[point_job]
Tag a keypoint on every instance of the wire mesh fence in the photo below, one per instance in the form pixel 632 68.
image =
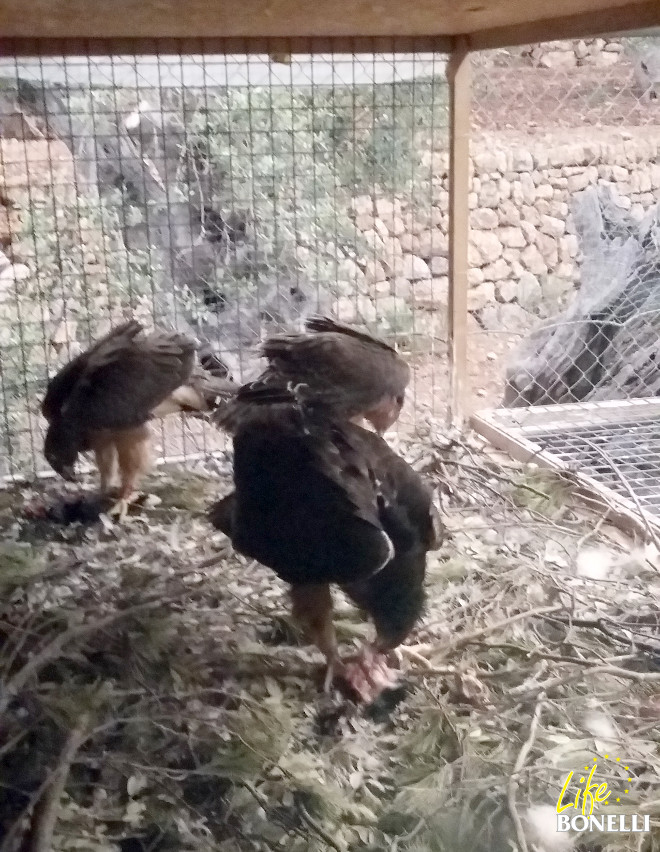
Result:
pixel 232 195
pixel 564 265
pixel 228 196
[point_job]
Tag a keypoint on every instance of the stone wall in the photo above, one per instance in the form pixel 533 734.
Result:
pixel 523 249
pixel 597 52
pixel 524 256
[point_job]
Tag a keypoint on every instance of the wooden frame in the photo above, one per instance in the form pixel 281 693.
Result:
pixel 459 77
pixel 605 21
pixel 487 23
pixel 249 46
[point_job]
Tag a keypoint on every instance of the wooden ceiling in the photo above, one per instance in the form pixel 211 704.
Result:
pixel 485 22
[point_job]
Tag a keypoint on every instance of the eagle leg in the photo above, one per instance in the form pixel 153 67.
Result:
pixel 105 454
pixel 133 458
pixel 312 609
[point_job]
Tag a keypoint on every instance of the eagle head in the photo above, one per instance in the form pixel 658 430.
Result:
pixel 61 451
pixel 386 413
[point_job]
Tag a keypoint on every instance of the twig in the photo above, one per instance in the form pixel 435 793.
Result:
pixel 410 652
pixel 468 638
pixel 406 838
pixel 213 560
pixel 597 624
pixel 512 785
pixel 305 815
pixel 650 806
pixel 55 647
pixel 488 473
pixel 318 829
pixel 617 671
pixel 44 816
pixel 579 544
pixel 264 803
pixel 622 479
pixel 10 837
pixel 562 680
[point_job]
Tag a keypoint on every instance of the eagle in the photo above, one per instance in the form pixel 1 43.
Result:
pixel 103 399
pixel 323 501
pixel 339 369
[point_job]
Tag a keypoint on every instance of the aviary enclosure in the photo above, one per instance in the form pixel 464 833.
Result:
pixel 494 213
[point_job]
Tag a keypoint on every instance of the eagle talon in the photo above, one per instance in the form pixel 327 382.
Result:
pixel 120 508
pixel 369 675
pixel 329 678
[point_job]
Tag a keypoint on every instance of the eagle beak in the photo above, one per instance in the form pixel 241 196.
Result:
pixel 68 473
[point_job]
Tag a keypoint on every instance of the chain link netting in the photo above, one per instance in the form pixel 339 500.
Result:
pixel 564 246
pixel 231 196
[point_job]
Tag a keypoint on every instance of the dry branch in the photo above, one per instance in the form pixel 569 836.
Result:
pixel 44 816
pixel 57 645
pixel 476 635
pixel 178 686
pixel 512 785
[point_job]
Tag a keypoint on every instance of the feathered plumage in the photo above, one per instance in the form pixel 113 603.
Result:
pixel 322 501
pixel 103 399
pixel 334 368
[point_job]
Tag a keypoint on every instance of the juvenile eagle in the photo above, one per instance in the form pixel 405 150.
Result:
pixel 322 501
pixel 103 399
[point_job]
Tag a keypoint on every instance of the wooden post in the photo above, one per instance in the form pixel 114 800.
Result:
pixel 459 77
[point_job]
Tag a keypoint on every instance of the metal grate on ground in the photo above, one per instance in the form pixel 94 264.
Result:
pixel 611 449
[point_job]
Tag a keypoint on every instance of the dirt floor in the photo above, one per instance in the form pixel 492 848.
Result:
pixel 157 677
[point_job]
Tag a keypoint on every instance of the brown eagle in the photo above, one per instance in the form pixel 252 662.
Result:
pixel 320 501
pixel 103 399
pixel 346 372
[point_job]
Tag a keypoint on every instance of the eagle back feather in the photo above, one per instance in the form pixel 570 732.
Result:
pixel 119 380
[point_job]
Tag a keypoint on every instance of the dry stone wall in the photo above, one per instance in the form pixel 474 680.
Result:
pixel 523 249
pixel 524 255
pixel 597 52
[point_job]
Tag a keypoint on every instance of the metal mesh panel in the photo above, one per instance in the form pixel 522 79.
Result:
pixel 614 447
pixel 631 448
pixel 564 257
pixel 228 196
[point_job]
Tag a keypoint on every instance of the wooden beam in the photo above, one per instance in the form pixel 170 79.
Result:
pixel 619 19
pixel 298 18
pixel 220 19
pixel 459 77
pixel 35 47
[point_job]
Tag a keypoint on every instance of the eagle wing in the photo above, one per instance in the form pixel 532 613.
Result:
pixel 406 508
pixel 326 324
pixel 65 381
pixel 347 370
pixel 306 500
pixel 394 597
pixel 125 376
pixel 333 448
